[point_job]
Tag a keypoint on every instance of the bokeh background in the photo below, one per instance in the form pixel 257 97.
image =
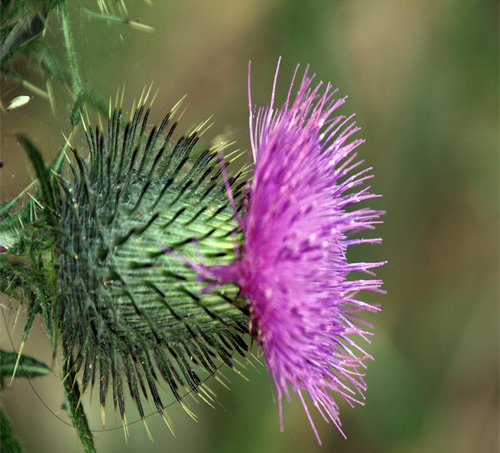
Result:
pixel 422 78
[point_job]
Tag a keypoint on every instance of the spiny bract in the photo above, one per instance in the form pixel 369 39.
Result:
pixel 89 254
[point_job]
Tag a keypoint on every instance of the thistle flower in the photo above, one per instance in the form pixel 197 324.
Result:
pixel 292 266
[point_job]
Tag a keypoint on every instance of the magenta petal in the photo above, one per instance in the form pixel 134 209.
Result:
pixel 292 266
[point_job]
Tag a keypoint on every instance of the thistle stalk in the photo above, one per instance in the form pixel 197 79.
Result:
pixel 68 40
pixel 74 408
pixel 77 85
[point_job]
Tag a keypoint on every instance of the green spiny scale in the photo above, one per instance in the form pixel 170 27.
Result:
pixel 128 307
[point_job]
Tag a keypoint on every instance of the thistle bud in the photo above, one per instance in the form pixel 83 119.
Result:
pixel 89 251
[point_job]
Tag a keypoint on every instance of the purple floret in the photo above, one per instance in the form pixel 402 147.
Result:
pixel 292 267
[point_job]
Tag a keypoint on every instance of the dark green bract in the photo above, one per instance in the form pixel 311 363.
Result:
pixel 105 257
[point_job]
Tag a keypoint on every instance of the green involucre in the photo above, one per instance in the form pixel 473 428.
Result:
pixel 104 256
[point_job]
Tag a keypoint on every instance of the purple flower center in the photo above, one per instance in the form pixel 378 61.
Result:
pixel 292 267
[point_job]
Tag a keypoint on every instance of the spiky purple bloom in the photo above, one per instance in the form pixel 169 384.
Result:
pixel 292 266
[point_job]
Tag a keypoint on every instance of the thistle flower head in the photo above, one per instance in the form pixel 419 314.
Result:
pixel 292 265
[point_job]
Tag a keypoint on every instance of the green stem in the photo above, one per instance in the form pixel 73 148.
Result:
pixel 70 48
pixel 75 409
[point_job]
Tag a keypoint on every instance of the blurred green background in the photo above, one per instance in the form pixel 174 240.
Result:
pixel 422 78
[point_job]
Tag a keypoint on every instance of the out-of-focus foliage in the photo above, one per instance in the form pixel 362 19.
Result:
pixel 23 36
pixel 11 365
